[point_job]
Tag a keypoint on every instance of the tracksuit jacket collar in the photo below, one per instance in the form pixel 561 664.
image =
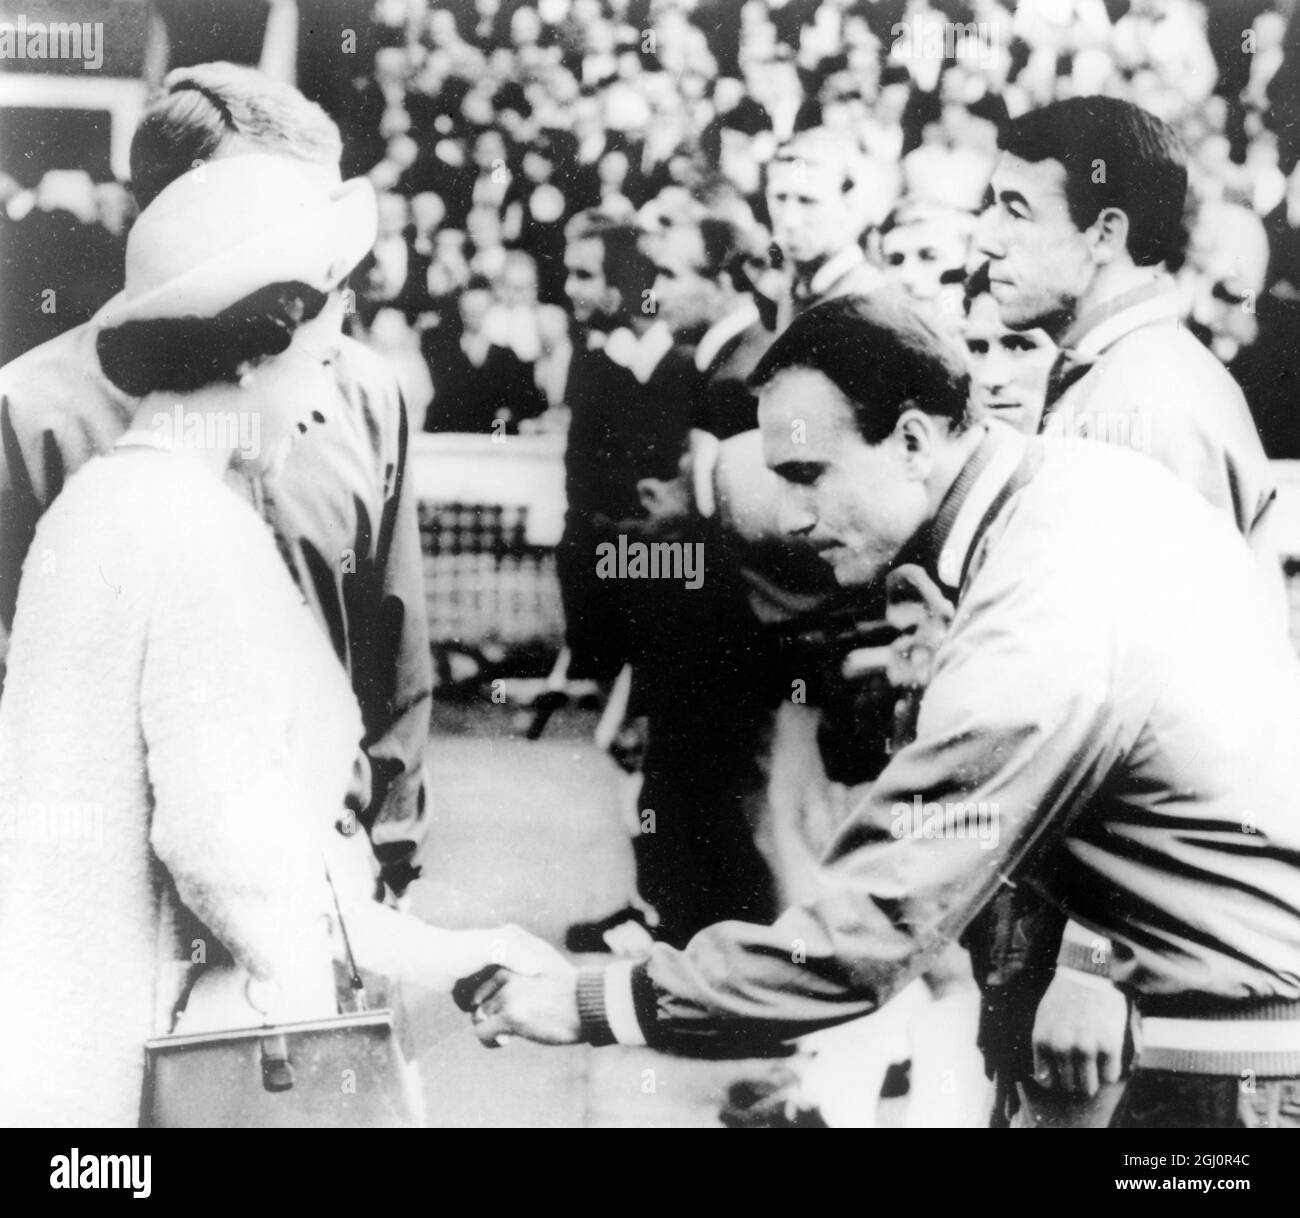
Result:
pixel 1099 328
pixel 1003 462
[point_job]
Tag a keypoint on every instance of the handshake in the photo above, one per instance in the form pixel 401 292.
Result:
pixel 526 989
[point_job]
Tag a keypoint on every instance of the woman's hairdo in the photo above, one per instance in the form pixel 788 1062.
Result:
pixel 181 354
pixel 209 104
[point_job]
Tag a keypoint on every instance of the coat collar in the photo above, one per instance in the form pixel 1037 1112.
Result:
pixel 1002 463
pixel 1110 321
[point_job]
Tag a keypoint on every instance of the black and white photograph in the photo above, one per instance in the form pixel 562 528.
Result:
pixel 650 564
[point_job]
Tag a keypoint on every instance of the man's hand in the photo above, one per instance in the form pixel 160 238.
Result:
pixel 1079 1033
pixel 544 1008
pixel 515 949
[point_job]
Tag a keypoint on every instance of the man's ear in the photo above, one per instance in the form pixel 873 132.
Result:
pixel 1109 235
pixel 917 432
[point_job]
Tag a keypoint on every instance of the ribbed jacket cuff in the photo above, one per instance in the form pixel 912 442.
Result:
pixel 1260 1040
pixel 1085 952
pixel 592 1011
pixel 609 1006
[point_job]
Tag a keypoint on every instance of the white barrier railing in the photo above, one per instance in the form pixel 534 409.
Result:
pixel 513 471
pixel 528 471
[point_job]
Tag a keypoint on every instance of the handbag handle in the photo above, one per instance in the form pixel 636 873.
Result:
pixel 354 974
pixel 277 1068
pixel 355 982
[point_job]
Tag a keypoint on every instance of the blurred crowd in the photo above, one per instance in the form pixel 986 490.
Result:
pixel 490 129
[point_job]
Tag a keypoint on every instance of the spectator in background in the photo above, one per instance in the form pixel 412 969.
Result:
pixel 1008 368
pixel 1251 328
pixel 391 336
pixel 817 221
pixel 1223 278
pixel 428 212
pixel 449 270
pixel 480 385
pixel 729 350
pixel 700 675
pixel 62 258
pixel 486 237
pixel 393 274
pixel 608 279
pixel 923 251
pixel 536 333
pixel 538 210
pixel 738 141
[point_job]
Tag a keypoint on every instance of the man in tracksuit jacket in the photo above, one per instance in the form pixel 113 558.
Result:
pixel 1084 226
pixel 1110 722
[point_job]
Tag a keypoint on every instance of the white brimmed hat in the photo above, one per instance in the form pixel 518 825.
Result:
pixel 234 225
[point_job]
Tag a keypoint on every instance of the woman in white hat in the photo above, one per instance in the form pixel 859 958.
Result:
pixel 176 734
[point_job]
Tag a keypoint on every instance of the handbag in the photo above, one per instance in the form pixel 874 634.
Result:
pixel 345 1071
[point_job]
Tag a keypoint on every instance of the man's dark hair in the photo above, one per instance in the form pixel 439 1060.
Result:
pixel 881 354
pixel 1115 154
pixel 726 246
pixel 181 354
pixel 625 265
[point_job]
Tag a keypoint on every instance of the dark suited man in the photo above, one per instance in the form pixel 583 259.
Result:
pixel 631 391
pixel 702 670
pixel 630 394
pixel 1145 789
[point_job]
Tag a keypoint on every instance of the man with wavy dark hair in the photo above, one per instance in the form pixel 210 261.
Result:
pixel 343 506
pixel 1086 221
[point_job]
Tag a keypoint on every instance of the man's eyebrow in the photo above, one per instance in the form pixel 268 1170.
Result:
pixel 798 471
pixel 1013 196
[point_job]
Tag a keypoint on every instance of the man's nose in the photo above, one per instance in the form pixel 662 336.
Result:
pixel 987 239
pixel 795 516
pixel 914 277
pixel 995 372
pixel 783 215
